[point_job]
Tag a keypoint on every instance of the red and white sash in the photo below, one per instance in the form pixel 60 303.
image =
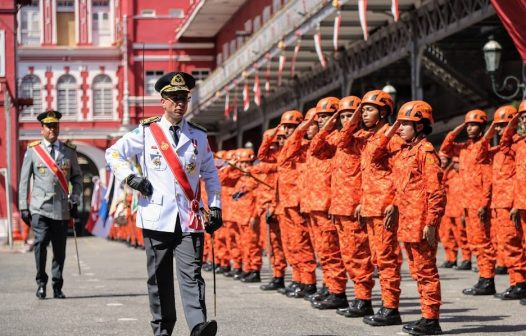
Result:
pixel 196 221
pixel 53 167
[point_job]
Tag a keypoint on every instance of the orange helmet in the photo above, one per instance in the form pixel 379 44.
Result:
pixel 221 154
pixel 504 114
pixel 379 98
pixel 327 105
pixel 268 133
pixel 245 155
pixel 476 116
pixel 415 110
pixel 291 117
pixel 230 155
pixel 522 107
pixel 349 103
pixel 310 113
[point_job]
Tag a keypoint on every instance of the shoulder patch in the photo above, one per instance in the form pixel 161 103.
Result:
pixel 33 144
pixel 148 121
pixel 428 147
pixel 199 127
pixel 70 144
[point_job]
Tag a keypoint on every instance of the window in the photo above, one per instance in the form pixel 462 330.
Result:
pixel 65 5
pixel 2 53
pixel 102 97
pixel 151 77
pixel 30 88
pixel 219 59
pixel 266 14
pixel 257 23
pixel 148 12
pixel 232 47
pixel 30 24
pixel 176 13
pixel 200 74
pixel 225 50
pixel 276 5
pixel 101 23
pixel 248 26
pixel 67 96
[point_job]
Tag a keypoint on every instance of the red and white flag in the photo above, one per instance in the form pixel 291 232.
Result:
pixel 267 75
pixel 227 105
pixel 234 103
pixel 394 10
pixel 246 97
pixel 317 45
pixel 282 59
pixel 257 89
pixel 336 33
pixel 294 56
pixel 362 13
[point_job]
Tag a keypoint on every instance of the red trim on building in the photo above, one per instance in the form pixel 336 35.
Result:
pixel 49 87
pixel 84 98
pixel 48 22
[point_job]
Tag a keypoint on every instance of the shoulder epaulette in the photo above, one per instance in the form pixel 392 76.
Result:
pixel 199 127
pixel 70 144
pixel 148 121
pixel 33 144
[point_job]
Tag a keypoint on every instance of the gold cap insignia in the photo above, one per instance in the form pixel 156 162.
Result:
pixel 177 80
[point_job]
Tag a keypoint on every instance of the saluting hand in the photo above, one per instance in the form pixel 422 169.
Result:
pixel 392 130
pixel 329 125
pixel 459 128
pixel 140 184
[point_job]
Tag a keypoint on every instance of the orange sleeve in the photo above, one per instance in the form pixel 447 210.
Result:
pixel 264 152
pixel 380 150
pixel 321 147
pixel 292 146
pixel 486 184
pixel 435 192
pixel 449 147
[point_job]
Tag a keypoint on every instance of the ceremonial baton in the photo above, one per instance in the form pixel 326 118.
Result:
pixel 214 272
pixel 76 245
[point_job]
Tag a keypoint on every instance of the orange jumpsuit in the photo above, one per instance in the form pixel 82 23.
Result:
pixel 447 227
pixel 318 197
pixel 420 198
pixel 475 172
pixel 295 231
pixel 377 194
pixel 228 177
pixel 519 194
pixel 345 196
pixel 509 238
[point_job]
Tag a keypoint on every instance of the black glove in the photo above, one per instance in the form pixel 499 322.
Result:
pixel 236 196
pixel 215 220
pixel 74 211
pixel 26 216
pixel 140 184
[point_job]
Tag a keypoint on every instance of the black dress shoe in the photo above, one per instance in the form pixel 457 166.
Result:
pixel 343 311
pixel 274 284
pixel 384 317
pixel 251 277
pixel 361 308
pixel 501 270
pixel 485 286
pixel 208 328
pixel 297 289
pixel 449 264
pixel 516 292
pixel 465 265
pixel 320 294
pixel 302 292
pixel 41 292
pixel 58 294
pixel 233 272
pixel 289 288
pixel 222 269
pixel 423 327
pixel 207 267
pixel 239 276
pixel 333 301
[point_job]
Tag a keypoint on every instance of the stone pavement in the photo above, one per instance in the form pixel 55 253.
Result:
pixel 110 298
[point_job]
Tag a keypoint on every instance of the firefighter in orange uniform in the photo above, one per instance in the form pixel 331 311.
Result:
pixel 509 235
pixel 296 239
pixel 376 209
pixel 475 171
pixel 447 227
pixel 420 199
pixel 319 168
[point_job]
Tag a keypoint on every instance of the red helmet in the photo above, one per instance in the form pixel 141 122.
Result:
pixel 522 107
pixel 310 113
pixel 504 114
pixel 476 116
pixel 415 110
pixel 291 117
pixel 327 105
pixel 349 103
pixel 245 155
pixel 379 98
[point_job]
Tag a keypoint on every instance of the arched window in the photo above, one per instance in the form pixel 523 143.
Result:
pixel 67 96
pixel 102 97
pixel 30 88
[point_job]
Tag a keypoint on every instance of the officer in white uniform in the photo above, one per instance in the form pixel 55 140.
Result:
pixel 165 212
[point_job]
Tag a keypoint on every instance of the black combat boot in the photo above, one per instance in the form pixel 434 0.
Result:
pixel 501 270
pixel 515 292
pixel 274 284
pixel 465 265
pixel 233 272
pixel 207 267
pixel 252 276
pixel 448 264
pixel 423 327
pixel 306 290
pixel 240 275
pixel 483 287
pixel 333 301
pixel 289 288
pixel 320 294
pixel 384 317
pixel 222 269
pixel 360 308
pixel 298 288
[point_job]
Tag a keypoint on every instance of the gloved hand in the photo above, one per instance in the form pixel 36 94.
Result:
pixel 74 210
pixel 26 216
pixel 215 220
pixel 140 184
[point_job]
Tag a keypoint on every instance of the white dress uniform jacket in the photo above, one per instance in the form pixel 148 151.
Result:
pixel 159 212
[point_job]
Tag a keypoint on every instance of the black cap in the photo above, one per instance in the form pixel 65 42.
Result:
pixel 49 117
pixel 175 81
